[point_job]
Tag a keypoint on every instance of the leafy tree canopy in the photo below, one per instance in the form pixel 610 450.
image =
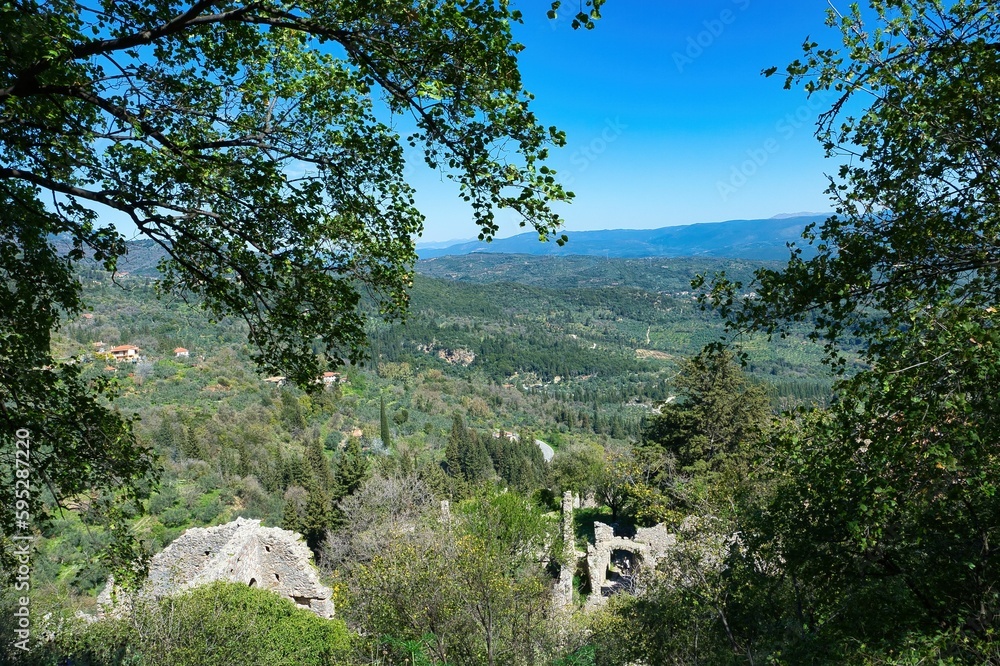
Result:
pixel 255 142
pixel 916 230
pixel 884 508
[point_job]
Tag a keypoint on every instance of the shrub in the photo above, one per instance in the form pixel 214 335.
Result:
pixel 217 625
pixel 174 516
pixel 206 512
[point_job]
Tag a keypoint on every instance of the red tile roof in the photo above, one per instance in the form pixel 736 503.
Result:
pixel 123 348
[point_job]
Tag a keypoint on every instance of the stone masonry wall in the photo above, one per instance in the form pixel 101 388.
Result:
pixel 241 552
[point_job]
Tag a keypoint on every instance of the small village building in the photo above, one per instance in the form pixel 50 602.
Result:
pixel 129 353
pixel 99 347
pixel 277 381
pixel 330 378
pixel 180 352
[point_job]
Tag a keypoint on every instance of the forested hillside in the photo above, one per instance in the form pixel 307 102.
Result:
pixel 577 362
pixel 263 433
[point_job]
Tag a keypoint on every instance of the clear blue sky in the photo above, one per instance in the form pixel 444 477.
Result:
pixel 668 117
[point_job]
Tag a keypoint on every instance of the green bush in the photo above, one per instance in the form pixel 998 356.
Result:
pixel 174 517
pixel 162 500
pixel 228 623
pixel 217 625
pixel 206 512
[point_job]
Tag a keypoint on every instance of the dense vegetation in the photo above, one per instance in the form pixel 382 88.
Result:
pixel 216 625
pixel 230 444
pixel 186 119
pixel 857 529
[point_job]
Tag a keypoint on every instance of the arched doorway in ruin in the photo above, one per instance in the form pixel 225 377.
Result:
pixel 623 567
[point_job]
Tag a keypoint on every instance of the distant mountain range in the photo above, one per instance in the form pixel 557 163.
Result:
pixel 735 239
pixel 753 240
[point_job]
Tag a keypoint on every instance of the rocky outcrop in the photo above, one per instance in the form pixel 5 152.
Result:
pixel 459 356
pixel 241 552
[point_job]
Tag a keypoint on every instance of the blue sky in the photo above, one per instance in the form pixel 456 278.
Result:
pixel 668 117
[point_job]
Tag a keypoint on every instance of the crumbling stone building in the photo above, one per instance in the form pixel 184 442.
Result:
pixel 612 562
pixel 628 555
pixel 241 552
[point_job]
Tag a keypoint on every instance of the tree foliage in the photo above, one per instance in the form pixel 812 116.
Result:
pixel 71 442
pixel 883 511
pixel 469 590
pixel 717 411
pixel 217 624
pixel 255 143
pixel 246 141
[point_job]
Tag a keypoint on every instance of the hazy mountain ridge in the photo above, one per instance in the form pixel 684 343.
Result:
pixel 760 240
pixel 752 240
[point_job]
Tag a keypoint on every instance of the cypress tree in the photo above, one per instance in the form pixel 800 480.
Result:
pixel 456 443
pixel 352 469
pixel 384 423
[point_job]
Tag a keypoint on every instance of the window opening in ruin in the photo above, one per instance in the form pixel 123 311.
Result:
pixel 253 582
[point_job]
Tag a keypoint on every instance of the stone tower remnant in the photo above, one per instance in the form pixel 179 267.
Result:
pixel 562 596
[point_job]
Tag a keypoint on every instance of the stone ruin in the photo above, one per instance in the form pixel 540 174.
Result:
pixel 627 555
pixel 240 552
pixel 562 595
pixel 621 557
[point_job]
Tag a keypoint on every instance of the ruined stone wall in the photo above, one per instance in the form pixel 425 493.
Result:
pixel 563 593
pixel 648 547
pixel 241 552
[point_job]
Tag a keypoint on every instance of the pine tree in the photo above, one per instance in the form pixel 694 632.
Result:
pixel 476 464
pixel 189 447
pixel 318 463
pixel 290 518
pixel 352 470
pixel 434 476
